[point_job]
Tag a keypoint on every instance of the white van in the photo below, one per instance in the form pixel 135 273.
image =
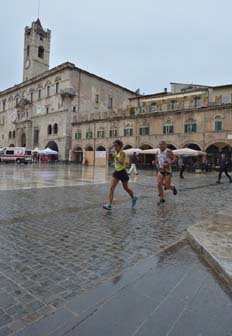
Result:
pixel 16 154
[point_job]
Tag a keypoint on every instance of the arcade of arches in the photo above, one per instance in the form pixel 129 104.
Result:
pixel 104 157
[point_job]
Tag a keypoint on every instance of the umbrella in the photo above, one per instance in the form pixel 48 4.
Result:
pixel 150 151
pixel 185 152
pixel 130 151
pixel 48 151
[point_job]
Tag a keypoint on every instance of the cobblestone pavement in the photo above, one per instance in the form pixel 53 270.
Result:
pixel 57 242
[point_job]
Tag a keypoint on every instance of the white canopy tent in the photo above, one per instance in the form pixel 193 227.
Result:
pixel 186 152
pixel 47 151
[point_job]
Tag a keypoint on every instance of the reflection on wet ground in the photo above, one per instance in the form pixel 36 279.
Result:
pixel 56 241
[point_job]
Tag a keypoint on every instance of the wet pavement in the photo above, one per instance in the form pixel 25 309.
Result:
pixel 56 242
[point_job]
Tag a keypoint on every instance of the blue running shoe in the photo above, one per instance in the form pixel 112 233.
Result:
pixel 134 200
pixel 107 206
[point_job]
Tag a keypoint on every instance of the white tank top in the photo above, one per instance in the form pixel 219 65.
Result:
pixel 163 158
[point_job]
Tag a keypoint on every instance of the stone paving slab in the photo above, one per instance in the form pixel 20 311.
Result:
pixel 56 242
pixel 175 294
pixel 213 239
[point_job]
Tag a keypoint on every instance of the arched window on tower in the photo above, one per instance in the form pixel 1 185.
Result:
pixel 55 128
pixel 49 129
pixel 28 50
pixel 41 52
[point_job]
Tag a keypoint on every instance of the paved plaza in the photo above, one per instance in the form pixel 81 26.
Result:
pixel 58 244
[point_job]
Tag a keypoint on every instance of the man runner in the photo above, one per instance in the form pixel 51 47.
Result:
pixel 120 174
pixel 166 159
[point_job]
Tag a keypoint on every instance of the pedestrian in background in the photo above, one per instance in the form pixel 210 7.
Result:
pixel 182 166
pixel 223 164
pixel 134 161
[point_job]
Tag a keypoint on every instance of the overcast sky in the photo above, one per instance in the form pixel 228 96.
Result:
pixel 137 44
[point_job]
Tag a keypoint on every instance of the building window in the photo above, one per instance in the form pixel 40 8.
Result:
pixel 218 124
pixel 39 94
pixel 74 108
pixel 225 99
pixel 17 101
pixel 78 135
pixel 28 50
pixel 10 134
pixel 31 96
pixel 128 132
pixel 4 104
pixel 55 128
pixel 49 129
pixel 153 107
pixel 100 134
pixel 174 104
pixel 168 127
pixel 113 133
pixel 14 134
pixel 57 87
pixel 47 109
pixel 36 136
pixel 197 101
pixel 110 102
pixel 144 131
pixel 41 52
pixel 97 98
pixel 190 126
pixel 89 135
pixel 48 90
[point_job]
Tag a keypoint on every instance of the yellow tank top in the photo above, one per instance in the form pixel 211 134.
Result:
pixel 119 166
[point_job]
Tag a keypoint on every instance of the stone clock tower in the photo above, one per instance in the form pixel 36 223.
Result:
pixel 36 50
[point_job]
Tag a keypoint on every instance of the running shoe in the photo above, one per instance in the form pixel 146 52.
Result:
pixel 162 200
pixel 107 206
pixel 134 200
pixel 174 190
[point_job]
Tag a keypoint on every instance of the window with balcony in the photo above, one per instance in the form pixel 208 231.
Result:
pixel 153 107
pixel 197 101
pixel 218 124
pixel 89 135
pixel 144 130
pixel 190 126
pixel 100 134
pixel 113 133
pixel 168 127
pixel 78 135
pixel 128 132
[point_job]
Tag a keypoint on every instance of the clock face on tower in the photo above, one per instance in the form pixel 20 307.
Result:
pixel 27 64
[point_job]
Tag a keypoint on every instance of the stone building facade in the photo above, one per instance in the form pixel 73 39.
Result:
pixel 39 112
pixel 198 117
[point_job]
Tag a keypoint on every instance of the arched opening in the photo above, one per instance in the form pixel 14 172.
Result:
pixel 41 52
pixel 145 160
pixel 100 149
pixel 193 146
pixel 100 156
pixel 23 140
pixel 12 145
pixel 213 152
pixel 52 145
pixel 77 155
pixel 89 155
pixel 172 147
pixel 127 147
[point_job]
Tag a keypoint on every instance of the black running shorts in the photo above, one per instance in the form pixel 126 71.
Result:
pixel 121 175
